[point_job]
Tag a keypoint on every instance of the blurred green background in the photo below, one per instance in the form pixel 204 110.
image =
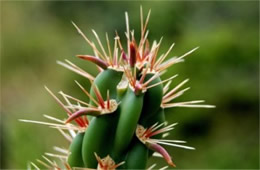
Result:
pixel 224 72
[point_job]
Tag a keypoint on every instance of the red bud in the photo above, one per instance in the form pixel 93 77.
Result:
pixel 132 54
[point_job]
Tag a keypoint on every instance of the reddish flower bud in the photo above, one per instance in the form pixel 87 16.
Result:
pixel 132 54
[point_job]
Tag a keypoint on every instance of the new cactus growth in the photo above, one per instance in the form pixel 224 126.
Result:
pixel 127 100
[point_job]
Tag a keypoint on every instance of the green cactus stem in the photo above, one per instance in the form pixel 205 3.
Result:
pixel 130 111
pixel 75 156
pixel 127 100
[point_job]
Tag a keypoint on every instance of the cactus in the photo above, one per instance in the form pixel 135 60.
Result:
pixel 127 103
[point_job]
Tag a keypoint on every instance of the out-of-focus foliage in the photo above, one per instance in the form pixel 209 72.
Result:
pixel 224 71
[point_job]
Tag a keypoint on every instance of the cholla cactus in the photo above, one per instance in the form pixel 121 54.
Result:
pixel 124 122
